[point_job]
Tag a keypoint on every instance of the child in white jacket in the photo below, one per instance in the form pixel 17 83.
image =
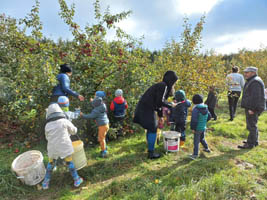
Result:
pixel 57 132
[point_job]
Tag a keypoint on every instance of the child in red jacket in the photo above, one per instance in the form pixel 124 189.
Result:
pixel 119 106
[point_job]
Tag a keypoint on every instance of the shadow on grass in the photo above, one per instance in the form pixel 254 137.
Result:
pixel 106 169
pixel 181 173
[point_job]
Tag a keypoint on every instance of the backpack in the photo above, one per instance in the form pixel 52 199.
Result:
pixel 119 109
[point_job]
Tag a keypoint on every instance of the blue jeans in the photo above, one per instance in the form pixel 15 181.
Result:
pixel 199 137
pixel 151 140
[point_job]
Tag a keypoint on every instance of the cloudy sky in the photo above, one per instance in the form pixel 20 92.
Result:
pixel 230 24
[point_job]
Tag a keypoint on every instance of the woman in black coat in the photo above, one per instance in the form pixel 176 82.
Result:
pixel 153 100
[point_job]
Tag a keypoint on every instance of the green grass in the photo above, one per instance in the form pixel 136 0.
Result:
pixel 226 173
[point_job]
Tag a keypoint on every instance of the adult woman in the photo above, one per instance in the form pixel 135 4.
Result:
pixel 153 100
pixel 235 82
pixel 63 86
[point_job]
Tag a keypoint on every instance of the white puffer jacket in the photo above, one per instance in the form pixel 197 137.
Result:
pixel 58 135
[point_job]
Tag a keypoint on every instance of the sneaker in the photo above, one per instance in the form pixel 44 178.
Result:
pixel 207 150
pixel 104 154
pixel 193 157
pixel 245 146
pixel 45 184
pixel 78 182
pixel 153 155
pixel 256 144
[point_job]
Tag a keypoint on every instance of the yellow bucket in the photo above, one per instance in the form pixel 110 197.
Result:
pixel 79 157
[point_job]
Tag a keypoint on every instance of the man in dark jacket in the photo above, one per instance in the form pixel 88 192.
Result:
pixel 153 100
pixel 254 103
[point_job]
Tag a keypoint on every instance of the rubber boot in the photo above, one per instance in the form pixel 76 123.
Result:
pixel 49 169
pixel 77 179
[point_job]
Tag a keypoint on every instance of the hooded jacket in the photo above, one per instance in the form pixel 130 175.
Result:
pixel 119 105
pixel 63 86
pixel 153 100
pixel 57 133
pixel 253 95
pixel 99 112
pixel 211 101
pixel 200 117
pixel 180 111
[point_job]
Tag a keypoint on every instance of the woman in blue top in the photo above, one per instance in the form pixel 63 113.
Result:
pixel 63 86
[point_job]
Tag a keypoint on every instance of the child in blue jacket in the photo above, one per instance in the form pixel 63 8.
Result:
pixel 99 113
pixel 199 119
pixel 179 114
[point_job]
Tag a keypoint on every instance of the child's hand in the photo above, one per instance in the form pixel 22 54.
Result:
pixel 81 98
pixel 161 120
pixel 193 131
pixel 174 104
pixel 91 99
pixel 81 114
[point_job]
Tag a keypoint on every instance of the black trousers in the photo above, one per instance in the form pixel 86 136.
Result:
pixel 233 97
pixel 252 127
pixel 212 112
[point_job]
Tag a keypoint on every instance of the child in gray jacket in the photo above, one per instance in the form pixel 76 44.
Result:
pixel 99 113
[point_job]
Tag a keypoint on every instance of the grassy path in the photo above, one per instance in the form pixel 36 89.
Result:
pixel 226 173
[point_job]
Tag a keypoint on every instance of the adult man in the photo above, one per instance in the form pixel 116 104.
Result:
pixel 254 103
pixel 235 82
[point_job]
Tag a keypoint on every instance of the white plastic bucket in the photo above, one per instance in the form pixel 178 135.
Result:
pixel 29 167
pixel 171 141
pixel 79 157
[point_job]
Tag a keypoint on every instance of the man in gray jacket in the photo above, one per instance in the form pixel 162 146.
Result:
pixel 254 103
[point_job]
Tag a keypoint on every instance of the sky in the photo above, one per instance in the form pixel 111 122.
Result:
pixel 230 25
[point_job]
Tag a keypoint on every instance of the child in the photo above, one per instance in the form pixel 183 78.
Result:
pixel 166 114
pixel 99 113
pixel 101 94
pixel 179 113
pixel 119 106
pixel 211 102
pixel 59 145
pixel 64 103
pixel 200 116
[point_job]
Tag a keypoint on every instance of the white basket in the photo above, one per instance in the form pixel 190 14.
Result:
pixel 29 167
pixel 171 141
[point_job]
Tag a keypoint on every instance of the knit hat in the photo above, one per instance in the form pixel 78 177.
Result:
pixel 65 68
pixel 197 99
pixel 63 101
pixel 97 101
pixel 101 94
pixel 179 95
pixel 118 92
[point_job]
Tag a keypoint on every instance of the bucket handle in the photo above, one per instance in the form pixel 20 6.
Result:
pixel 18 177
